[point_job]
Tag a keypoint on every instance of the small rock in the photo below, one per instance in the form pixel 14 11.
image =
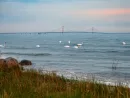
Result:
pixel 11 62
pixel 25 62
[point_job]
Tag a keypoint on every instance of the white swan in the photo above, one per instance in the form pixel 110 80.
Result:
pixel 80 44
pixel 69 41
pixel 37 46
pixel 60 41
pixel 66 46
pixel 76 47
pixel 1 46
pixel 124 43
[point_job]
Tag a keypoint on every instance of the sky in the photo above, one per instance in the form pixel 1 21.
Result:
pixel 74 15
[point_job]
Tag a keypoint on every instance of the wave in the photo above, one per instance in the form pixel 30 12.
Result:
pixel 114 74
pixel 107 51
pixel 21 47
pixel 14 47
pixel 126 46
pixel 28 54
pixel 103 51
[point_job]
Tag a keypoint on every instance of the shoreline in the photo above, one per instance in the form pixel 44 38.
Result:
pixel 83 77
pixel 86 77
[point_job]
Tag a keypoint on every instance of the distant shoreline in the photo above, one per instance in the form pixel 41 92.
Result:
pixel 66 32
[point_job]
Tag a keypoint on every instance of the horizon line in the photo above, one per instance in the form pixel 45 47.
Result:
pixel 57 32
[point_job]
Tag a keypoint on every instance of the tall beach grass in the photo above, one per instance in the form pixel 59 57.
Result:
pixel 15 83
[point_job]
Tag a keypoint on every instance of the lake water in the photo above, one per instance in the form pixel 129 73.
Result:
pixel 97 58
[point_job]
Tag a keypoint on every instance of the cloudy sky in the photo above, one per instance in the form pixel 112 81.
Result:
pixel 74 15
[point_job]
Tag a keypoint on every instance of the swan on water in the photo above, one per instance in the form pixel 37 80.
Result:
pixel 69 41
pixel 37 46
pixel 66 46
pixel 80 44
pixel 124 43
pixel 60 41
pixel 3 45
pixel 76 47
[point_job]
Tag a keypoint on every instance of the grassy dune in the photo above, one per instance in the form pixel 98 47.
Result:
pixel 15 83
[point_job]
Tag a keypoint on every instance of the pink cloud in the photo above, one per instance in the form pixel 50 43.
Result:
pixel 108 12
pixel 101 12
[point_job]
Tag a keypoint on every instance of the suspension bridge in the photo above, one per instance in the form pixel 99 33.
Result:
pixel 62 30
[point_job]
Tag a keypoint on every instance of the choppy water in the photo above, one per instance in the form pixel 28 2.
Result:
pixel 97 55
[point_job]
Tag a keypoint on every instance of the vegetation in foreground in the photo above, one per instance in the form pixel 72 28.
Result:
pixel 15 83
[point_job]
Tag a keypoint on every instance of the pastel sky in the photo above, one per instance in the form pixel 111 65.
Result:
pixel 74 15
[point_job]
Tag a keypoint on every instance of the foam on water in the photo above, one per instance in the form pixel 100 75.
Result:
pixel 81 76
